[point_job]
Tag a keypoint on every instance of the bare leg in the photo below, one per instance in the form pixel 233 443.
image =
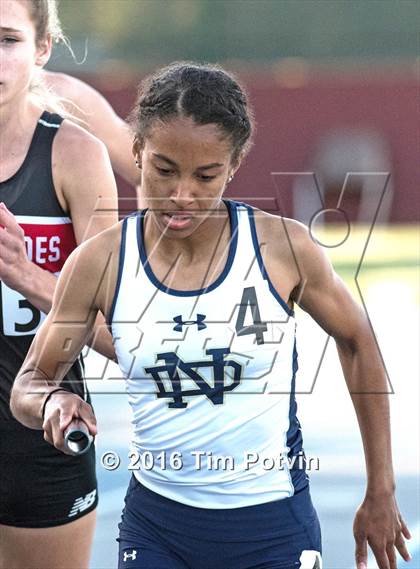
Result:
pixel 62 547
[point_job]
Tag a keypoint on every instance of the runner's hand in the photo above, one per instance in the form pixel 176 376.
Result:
pixel 378 523
pixel 14 263
pixel 61 409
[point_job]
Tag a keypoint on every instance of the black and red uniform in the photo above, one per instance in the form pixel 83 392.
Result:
pixel 40 486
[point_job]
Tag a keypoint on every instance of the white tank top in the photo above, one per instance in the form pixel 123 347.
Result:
pixel 210 376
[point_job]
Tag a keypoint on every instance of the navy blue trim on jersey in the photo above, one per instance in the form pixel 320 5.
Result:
pixel 294 434
pixel 263 270
pixel 120 270
pixel 233 217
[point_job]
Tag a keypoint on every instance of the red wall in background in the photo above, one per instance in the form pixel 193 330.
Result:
pixel 291 120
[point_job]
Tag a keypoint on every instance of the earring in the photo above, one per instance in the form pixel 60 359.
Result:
pixel 230 178
pixel 138 164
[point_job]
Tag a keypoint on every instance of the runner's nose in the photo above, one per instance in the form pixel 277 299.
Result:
pixel 183 194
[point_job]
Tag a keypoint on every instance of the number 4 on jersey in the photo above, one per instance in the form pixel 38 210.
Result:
pixel 249 300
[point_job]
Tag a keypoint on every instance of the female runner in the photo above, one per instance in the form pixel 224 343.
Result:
pixel 56 189
pixel 204 331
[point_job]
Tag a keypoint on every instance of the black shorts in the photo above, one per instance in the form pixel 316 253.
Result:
pixel 41 486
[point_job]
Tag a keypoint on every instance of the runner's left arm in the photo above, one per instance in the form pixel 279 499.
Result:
pixel 324 296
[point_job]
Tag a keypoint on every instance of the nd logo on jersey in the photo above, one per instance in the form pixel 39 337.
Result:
pixel 218 364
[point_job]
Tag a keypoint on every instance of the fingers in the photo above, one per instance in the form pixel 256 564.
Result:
pixel 66 417
pixel 392 558
pixel 86 415
pixel 3 215
pixel 60 410
pixel 12 244
pixel 8 221
pixel 385 553
pixel 52 432
pixel 401 547
pixel 361 551
pixel 405 531
pixel 56 432
pixel 8 241
pixel 379 525
pixel 380 554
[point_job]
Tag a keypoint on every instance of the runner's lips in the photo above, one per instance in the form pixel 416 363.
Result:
pixel 178 214
pixel 177 219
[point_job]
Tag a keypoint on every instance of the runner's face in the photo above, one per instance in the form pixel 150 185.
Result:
pixel 19 54
pixel 185 168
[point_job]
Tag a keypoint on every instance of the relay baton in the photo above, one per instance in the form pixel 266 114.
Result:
pixel 77 438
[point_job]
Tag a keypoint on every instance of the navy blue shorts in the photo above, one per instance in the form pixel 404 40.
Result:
pixel 158 533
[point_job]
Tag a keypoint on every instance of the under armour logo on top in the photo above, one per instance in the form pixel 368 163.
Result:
pixel 180 323
pixel 132 555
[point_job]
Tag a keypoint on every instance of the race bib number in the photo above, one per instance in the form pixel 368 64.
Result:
pixel 20 317
pixel 49 241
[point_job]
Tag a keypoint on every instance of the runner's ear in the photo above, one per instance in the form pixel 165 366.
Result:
pixel 43 51
pixel 137 151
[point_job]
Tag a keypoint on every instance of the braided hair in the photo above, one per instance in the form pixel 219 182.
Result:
pixel 206 93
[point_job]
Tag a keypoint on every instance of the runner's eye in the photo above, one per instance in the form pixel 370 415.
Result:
pixel 164 171
pixel 9 40
pixel 205 178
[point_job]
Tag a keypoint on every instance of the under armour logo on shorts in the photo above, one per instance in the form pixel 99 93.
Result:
pixel 132 556
pixel 310 560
